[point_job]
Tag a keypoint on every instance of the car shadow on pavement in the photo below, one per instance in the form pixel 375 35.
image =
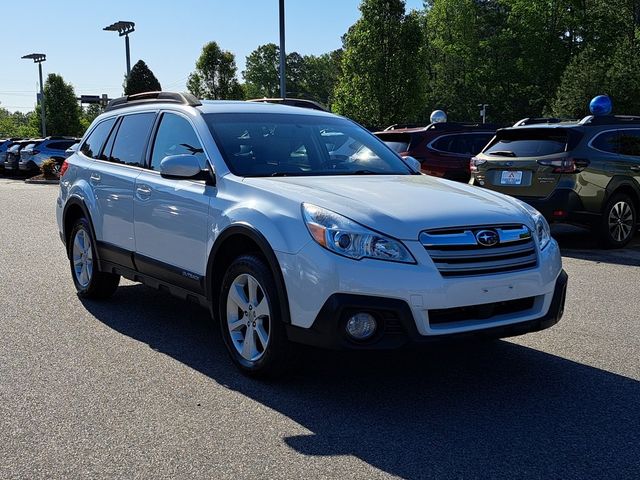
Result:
pixel 580 243
pixel 497 410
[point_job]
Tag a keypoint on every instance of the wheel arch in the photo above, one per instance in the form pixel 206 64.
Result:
pixel 235 240
pixel 621 184
pixel 73 210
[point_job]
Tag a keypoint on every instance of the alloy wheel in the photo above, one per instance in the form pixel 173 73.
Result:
pixel 82 258
pixel 248 317
pixel 621 221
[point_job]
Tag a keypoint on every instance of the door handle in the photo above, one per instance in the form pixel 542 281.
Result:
pixel 635 168
pixel 95 177
pixel 143 191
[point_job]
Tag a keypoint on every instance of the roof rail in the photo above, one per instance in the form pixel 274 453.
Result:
pixel 153 97
pixel 536 121
pixel 610 120
pixel 458 126
pixel 443 126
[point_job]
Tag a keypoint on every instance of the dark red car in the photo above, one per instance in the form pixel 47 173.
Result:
pixel 444 149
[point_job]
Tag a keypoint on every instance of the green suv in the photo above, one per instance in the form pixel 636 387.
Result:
pixel 583 172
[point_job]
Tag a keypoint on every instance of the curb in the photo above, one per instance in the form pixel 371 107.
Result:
pixel 42 181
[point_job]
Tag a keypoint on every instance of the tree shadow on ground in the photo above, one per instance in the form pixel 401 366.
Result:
pixel 497 410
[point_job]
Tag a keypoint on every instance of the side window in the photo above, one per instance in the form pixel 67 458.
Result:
pixel 607 142
pixel 131 139
pixel 92 145
pixel 630 142
pixel 175 137
pixel 60 145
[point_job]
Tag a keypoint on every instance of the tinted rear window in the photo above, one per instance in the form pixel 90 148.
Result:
pixel 529 142
pixel 630 142
pixel 62 145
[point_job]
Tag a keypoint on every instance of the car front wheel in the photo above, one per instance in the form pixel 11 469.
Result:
pixel 250 318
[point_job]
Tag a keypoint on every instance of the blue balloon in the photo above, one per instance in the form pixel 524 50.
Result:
pixel 601 105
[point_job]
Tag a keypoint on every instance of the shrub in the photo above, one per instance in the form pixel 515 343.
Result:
pixel 48 168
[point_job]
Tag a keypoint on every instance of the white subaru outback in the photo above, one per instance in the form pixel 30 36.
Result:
pixel 295 225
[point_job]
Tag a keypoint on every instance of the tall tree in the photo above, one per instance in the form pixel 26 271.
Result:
pixel 262 76
pixel 215 75
pixel 382 80
pixel 61 108
pixel 141 79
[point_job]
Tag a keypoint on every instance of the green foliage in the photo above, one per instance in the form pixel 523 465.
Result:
pixel 16 124
pixel 307 76
pixel 61 108
pixel 215 75
pixel 89 114
pixel 47 168
pixel 381 78
pixel 141 79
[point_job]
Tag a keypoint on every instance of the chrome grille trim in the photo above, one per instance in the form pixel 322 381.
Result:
pixel 456 252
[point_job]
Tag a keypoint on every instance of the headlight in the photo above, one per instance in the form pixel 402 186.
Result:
pixel 543 232
pixel 350 239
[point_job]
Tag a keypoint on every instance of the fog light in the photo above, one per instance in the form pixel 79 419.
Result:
pixel 361 326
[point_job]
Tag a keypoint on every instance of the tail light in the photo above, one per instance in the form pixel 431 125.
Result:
pixel 63 168
pixel 566 165
pixel 475 162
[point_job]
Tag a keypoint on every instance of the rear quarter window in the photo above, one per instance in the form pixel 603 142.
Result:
pixel 94 142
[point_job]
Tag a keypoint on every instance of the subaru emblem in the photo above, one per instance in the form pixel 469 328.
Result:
pixel 487 238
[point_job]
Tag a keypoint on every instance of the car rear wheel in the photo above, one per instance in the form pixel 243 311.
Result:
pixel 250 318
pixel 619 221
pixel 90 282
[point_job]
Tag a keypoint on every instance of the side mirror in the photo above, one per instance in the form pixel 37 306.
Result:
pixel 181 166
pixel 413 164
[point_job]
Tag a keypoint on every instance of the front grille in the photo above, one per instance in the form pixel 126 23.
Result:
pixel 480 312
pixel 457 252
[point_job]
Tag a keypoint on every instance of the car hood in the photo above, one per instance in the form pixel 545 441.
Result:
pixel 399 205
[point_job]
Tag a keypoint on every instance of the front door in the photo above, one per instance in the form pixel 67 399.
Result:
pixel 171 216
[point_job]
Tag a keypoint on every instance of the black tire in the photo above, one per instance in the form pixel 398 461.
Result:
pixel 619 222
pixel 100 285
pixel 274 360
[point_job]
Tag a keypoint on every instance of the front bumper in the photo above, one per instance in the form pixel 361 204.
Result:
pixel 396 325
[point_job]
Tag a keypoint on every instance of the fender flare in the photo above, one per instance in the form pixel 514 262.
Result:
pixel 266 250
pixel 77 201
pixel 620 181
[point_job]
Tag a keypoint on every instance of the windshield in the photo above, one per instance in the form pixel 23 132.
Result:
pixel 528 142
pixel 263 145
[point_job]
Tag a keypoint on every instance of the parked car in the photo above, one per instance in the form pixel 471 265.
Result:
pixel 242 208
pixel 583 172
pixel 294 102
pixel 12 158
pixel 443 149
pixel 5 144
pixel 32 156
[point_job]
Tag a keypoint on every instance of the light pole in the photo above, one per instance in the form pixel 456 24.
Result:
pixel 124 29
pixel 283 56
pixel 483 111
pixel 39 58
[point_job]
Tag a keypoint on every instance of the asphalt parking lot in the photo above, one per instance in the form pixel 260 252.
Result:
pixel 141 387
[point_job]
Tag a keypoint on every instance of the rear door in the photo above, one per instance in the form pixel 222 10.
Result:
pixel 449 155
pixel 112 177
pixel 629 165
pixel 515 155
pixel 171 215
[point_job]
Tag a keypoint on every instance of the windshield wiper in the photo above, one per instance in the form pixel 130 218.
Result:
pixel 502 153
pixel 279 174
pixel 363 172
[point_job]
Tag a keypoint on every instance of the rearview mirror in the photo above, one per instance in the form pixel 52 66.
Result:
pixel 181 166
pixel 413 164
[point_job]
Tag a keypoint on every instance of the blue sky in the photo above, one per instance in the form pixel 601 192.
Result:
pixel 169 37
